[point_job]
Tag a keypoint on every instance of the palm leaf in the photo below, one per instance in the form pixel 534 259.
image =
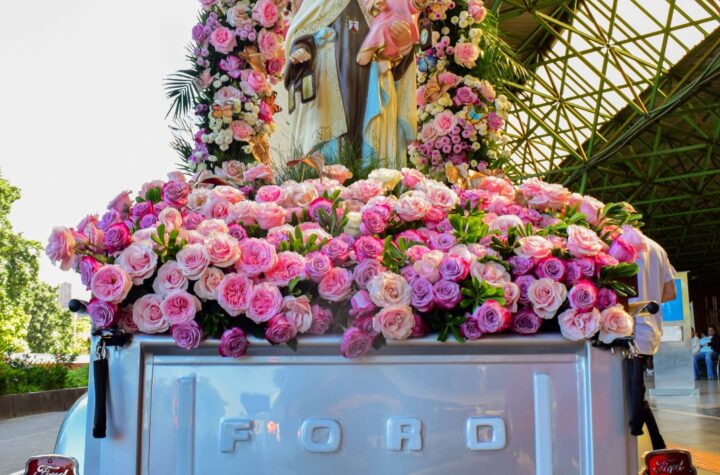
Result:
pixel 181 87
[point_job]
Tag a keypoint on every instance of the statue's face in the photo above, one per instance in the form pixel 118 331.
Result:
pixel 381 4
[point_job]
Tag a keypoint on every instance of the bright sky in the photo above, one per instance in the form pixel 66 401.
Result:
pixel 83 107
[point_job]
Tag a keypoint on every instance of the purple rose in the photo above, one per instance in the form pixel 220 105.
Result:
pixel 523 282
pixel 366 270
pixel 87 268
pixel 579 269
pixel 420 329
pixel 117 237
pixel 317 266
pixel 551 268
pixel 606 298
pixel 409 274
pixel 362 305
pixel 465 95
pixel 237 231
pixel 108 219
pixel 526 322
pixel 148 221
pixel 410 235
pixel 142 209
pixel 355 343
pixel 492 317
pixel 175 193
pixel 520 265
pixel 453 268
pixel 187 335
pixel 234 343
pixel 338 250
pixel 422 297
pixel 322 320
pixel 470 329
pixel 102 314
pixel 442 242
pixel 280 330
pixel 583 296
pixel 446 294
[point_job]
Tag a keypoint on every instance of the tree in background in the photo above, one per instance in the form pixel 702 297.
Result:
pixel 30 316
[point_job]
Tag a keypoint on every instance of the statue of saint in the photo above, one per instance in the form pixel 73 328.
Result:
pixel 332 97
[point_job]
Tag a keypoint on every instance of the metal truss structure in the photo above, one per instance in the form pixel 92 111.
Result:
pixel 623 103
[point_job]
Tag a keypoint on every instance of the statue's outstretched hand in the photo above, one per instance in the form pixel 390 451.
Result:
pixel 300 55
pixel 401 34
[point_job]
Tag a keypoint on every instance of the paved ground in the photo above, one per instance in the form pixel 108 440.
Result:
pixel 26 436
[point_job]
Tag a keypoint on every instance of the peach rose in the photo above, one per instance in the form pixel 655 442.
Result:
pixel 206 285
pixel 546 297
pixel 615 323
pixel 575 325
pixel 395 322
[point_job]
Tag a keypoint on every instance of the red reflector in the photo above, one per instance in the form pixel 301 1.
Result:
pixel 669 462
pixel 51 465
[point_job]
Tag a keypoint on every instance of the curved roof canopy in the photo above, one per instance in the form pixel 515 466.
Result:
pixel 623 102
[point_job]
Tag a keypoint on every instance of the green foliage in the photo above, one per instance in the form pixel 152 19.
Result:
pixel 394 255
pixel 468 229
pixel 20 375
pixel 348 155
pixel 330 222
pixel 619 277
pixel 298 244
pixel 476 293
pixel 50 327
pixel 169 244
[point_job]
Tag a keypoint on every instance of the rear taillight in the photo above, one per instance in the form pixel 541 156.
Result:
pixel 51 465
pixel 669 462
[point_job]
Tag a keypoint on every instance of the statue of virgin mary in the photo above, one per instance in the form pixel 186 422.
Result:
pixel 332 98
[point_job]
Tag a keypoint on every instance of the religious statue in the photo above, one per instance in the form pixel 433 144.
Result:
pixel 333 98
pixel 380 43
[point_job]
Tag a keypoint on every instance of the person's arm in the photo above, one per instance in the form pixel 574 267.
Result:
pixel 300 62
pixel 668 273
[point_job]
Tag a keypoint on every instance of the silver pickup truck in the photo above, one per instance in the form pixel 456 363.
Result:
pixel 503 405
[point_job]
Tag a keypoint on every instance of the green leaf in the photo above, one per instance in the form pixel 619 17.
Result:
pixel 293 344
pixel 379 341
pixel 154 195
pixel 293 283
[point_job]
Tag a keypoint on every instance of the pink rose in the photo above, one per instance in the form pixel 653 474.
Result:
pixel 169 278
pixel 256 256
pixel 429 265
pixel 289 266
pixel 61 247
pixel 355 343
pixel 505 222
pixel 266 13
pixel 180 306
pixel 492 317
pixel 270 194
pixel 361 305
pixel 270 215
pixel 121 203
pixel 170 218
pixel 148 316
pixel 233 293
pixel 470 329
pixel 223 39
pixel 254 82
pixel 125 321
pixel 536 247
pixel 207 283
pixel 299 312
pixel 634 237
pixel 268 43
pixel 87 268
pixel 583 296
pixel 388 289
pixel 606 298
pixel 265 301
pixel 622 251
pixel 615 323
pixel 592 209
pixel 280 330
pixel 233 343
pixel 102 314
pixel 466 54
pixel 543 195
pixel 446 294
pixel 526 322
pixel 444 122
pixel 512 295
pixel 395 322
pixel 117 237
pixel 368 247
pixel 440 196
pixel 217 207
pixel 603 259
pixel 241 130
pixel 111 284
pixel 139 261
pixel 337 249
pixel 491 272
pixel 336 286
pixel 583 242
pixel 258 172
pixel 363 190
pixel 412 206
pixel 187 335
pixel 576 325
pixel 210 226
pixel 546 297
pixel 317 266
pixel 415 253
pixel 477 10
pixel 322 320
pixel 222 249
pixel 193 260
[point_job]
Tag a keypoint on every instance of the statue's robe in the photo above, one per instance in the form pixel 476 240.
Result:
pixel 377 112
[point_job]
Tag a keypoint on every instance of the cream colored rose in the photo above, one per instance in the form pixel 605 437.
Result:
pixel 388 289
pixel 389 178
pixel 353 224
pixel 300 195
pixel 615 323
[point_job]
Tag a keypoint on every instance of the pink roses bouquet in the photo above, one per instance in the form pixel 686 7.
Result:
pixel 237 57
pixel 391 257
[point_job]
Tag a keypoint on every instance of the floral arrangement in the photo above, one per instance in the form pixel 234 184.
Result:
pixel 461 118
pixel 237 57
pixel 394 256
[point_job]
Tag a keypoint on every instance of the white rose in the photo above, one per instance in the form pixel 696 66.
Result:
pixel 354 219
pixel 388 289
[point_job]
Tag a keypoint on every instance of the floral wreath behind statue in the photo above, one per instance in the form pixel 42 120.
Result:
pixel 387 256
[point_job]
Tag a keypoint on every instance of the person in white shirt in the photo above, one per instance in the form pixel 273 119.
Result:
pixel 695 341
pixel 656 282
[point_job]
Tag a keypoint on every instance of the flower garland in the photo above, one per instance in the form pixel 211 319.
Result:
pixel 461 118
pixel 391 257
pixel 238 57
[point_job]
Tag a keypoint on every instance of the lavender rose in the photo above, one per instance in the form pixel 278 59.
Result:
pixel 551 268
pixel 422 294
pixel 355 343
pixel 453 268
pixel 102 314
pixel 187 335
pixel 526 322
pixel 446 294
pixel 470 329
pixel 234 343
pixel 606 298
pixel 280 330
pixel 492 317
pixel 583 296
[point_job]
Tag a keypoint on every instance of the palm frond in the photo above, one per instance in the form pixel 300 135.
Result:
pixel 181 87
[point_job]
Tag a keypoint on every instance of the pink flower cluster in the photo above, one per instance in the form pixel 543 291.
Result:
pixel 239 57
pixel 187 253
